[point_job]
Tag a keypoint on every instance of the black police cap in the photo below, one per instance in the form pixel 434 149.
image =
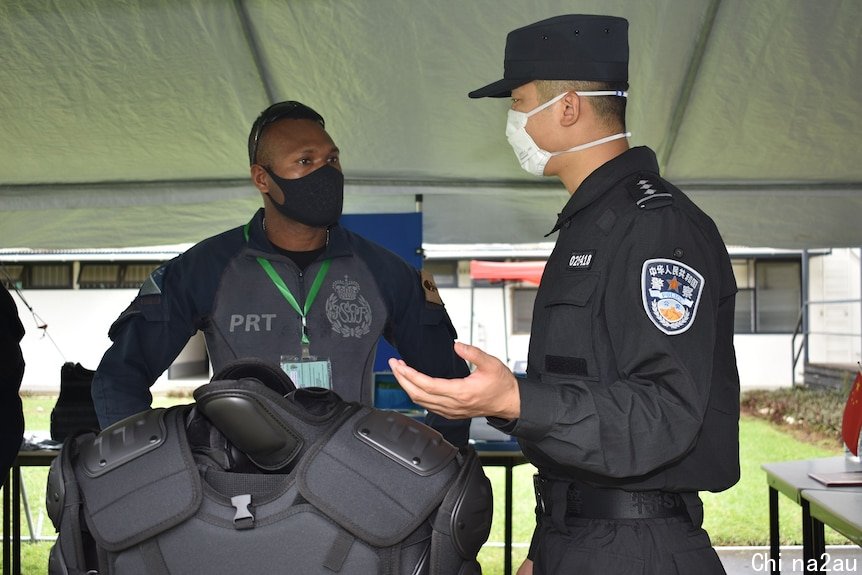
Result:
pixel 569 47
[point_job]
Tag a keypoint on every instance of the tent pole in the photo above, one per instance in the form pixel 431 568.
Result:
pixel 254 46
pixel 505 325
pixel 472 311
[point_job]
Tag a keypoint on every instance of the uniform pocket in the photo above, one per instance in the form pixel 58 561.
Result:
pixel 574 289
pixel 435 315
pixel 569 338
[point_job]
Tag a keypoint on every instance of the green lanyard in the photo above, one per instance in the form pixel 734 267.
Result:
pixel 285 291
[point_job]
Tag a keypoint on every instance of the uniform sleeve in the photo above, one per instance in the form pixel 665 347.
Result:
pixel 647 408
pixel 422 332
pixel 146 337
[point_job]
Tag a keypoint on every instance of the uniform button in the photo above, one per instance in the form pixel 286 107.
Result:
pixel 678 253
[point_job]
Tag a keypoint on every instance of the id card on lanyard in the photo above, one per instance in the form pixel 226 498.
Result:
pixel 306 370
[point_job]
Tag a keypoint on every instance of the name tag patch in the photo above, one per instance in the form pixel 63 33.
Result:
pixel 671 293
pixel 581 260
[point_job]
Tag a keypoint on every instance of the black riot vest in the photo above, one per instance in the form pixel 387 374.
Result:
pixel 250 480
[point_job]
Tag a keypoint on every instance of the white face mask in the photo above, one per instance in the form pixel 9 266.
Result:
pixel 533 158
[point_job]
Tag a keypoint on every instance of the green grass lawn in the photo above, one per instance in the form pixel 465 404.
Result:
pixel 738 516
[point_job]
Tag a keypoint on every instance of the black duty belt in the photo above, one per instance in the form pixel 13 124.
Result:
pixel 564 499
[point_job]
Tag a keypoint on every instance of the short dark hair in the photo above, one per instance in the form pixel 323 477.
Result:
pixel 611 110
pixel 281 110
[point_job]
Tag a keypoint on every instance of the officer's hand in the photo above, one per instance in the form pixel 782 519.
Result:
pixel 491 390
pixel 526 568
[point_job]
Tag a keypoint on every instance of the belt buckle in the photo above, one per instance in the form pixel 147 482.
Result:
pixel 537 489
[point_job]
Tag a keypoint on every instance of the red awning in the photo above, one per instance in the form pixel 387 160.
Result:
pixel 498 271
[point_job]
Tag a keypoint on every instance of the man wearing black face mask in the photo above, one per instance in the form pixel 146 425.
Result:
pixel 290 287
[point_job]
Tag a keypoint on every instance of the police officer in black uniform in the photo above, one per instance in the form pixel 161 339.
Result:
pixel 630 404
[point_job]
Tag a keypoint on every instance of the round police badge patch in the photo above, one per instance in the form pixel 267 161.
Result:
pixel 671 292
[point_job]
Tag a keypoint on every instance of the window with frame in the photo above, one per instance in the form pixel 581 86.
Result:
pixel 523 299
pixel 105 275
pixel 135 274
pixel 445 272
pixel 12 275
pixel 769 296
pixel 778 295
pixel 98 275
pixel 48 276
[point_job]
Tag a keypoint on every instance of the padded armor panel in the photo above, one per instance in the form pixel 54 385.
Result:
pixel 366 490
pixel 471 505
pixel 123 441
pixel 268 440
pixel 417 447
pixel 161 484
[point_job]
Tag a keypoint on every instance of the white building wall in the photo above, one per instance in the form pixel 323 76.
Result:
pixel 764 360
pixel 78 322
pixel 835 278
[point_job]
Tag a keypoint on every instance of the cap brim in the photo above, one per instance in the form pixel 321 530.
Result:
pixel 499 89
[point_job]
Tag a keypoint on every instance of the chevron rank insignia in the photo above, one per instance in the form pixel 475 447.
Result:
pixel 671 293
pixel 648 192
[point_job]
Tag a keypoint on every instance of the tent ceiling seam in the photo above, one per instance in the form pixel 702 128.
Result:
pixel 471 185
pixel 691 75
pixel 250 34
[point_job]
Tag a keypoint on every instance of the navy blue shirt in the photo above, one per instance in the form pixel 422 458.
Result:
pixel 219 288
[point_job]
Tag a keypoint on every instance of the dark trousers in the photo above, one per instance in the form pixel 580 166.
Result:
pixel 664 546
pixel 643 546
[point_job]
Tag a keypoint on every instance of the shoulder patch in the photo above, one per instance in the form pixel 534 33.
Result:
pixel 671 293
pixel 153 284
pixel 648 192
pixel 430 288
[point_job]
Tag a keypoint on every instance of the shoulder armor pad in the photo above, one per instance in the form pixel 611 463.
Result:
pixel 404 440
pixel 648 191
pixel 123 441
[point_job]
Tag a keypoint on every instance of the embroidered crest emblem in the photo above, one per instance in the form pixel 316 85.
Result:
pixel 346 309
pixel 671 293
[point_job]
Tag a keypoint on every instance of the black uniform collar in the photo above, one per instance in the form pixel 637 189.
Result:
pixel 257 240
pixel 640 159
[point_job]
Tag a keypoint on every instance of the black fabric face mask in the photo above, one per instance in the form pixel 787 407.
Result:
pixel 315 199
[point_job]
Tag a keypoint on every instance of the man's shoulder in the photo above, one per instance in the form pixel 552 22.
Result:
pixel 204 260
pixel 369 249
pixel 226 242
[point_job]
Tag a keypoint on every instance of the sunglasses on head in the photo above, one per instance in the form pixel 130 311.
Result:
pixel 289 109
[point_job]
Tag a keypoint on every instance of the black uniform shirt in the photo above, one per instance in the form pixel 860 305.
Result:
pixel 631 378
